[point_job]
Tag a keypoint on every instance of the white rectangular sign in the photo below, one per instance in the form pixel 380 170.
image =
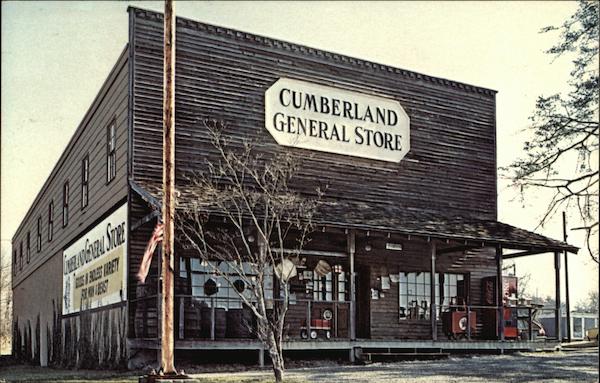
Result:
pixel 317 117
pixel 95 266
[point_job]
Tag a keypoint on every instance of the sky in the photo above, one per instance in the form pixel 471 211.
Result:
pixel 56 55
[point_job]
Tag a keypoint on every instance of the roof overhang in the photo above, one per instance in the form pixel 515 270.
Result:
pixel 463 232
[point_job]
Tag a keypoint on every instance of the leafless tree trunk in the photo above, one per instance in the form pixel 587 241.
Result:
pixel 5 299
pixel 244 215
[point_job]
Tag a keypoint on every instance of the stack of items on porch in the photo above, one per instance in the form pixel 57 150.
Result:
pixel 230 323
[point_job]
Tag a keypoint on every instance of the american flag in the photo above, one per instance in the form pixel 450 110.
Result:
pixel 157 236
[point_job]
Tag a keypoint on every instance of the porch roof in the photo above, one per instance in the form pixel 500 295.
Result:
pixel 399 219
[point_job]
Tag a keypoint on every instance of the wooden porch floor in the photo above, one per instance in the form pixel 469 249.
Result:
pixel 345 344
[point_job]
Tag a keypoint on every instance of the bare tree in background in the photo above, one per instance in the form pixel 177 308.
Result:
pixel 563 154
pixel 260 217
pixel 5 302
pixel 590 305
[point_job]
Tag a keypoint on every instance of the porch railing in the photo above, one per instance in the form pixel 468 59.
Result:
pixel 223 317
pixel 227 317
pixel 481 322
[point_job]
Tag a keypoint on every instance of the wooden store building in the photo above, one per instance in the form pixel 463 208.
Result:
pixel 406 253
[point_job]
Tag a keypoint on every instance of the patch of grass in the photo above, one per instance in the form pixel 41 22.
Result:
pixel 24 373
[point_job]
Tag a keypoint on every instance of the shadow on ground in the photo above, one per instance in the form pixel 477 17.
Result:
pixel 580 365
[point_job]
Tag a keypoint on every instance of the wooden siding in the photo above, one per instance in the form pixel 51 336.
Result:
pixel 223 74
pixel 384 318
pixel 39 283
pixel 142 307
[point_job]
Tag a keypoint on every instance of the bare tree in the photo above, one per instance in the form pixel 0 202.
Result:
pixel 5 299
pixel 523 285
pixel 590 305
pixel 563 153
pixel 260 220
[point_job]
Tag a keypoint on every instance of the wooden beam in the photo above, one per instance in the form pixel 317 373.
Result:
pixel 432 308
pixel 146 196
pixel 456 249
pixel 145 219
pixel 499 293
pixel 167 354
pixel 567 299
pixel 351 239
pixel 317 253
pixel 557 318
pixel 523 253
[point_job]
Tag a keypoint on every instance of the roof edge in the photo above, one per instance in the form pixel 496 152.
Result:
pixel 315 52
pixel 69 147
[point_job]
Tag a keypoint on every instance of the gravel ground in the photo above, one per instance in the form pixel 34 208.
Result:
pixel 567 366
pixel 579 365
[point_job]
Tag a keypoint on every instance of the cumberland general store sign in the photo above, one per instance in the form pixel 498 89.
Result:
pixel 317 117
pixel 94 267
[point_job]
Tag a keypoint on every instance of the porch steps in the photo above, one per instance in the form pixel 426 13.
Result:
pixel 370 357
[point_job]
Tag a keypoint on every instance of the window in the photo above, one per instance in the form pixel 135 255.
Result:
pixel 15 262
pixel 85 176
pixel 50 220
pixel 111 152
pixel 328 287
pixel 210 287
pixel 66 204
pixel 39 234
pixel 415 293
pixel 21 255
pixel 28 247
pixel 577 328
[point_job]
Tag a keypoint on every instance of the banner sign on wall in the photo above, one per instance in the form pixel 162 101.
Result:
pixel 95 266
pixel 316 117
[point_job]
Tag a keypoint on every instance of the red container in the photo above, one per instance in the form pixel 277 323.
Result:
pixel 320 324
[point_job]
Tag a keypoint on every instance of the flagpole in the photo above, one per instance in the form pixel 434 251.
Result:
pixel 168 203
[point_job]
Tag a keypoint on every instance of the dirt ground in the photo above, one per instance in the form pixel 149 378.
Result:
pixel 579 365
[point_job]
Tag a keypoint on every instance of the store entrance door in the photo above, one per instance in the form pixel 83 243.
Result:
pixel 363 302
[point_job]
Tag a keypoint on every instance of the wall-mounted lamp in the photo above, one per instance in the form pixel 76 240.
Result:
pixel 368 247
pixel 251 238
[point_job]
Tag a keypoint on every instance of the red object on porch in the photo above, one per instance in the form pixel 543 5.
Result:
pixel 455 323
pixel 511 332
pixel 319 324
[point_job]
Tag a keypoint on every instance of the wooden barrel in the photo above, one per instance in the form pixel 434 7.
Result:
pixel 192 320
pixel 239 323
pixel 205 318
pixel 220 322
pixel 234 323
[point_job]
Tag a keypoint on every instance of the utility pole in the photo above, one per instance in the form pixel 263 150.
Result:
pixel 168 203
pixel 567 301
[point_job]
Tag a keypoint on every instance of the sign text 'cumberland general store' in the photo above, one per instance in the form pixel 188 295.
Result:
pixel 317 117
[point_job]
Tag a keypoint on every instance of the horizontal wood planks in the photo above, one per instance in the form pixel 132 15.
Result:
pixel 385 322
pixel 223 74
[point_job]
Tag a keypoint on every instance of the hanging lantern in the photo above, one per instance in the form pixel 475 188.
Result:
pixel 322 268
pixel 286 270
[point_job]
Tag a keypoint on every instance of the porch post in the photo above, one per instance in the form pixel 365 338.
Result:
pixel 432 309
pixel 567 300
pixel 500 293
pixel 557 319
pixel 351 251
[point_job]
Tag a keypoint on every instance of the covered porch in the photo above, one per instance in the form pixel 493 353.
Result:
pixel 395 281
